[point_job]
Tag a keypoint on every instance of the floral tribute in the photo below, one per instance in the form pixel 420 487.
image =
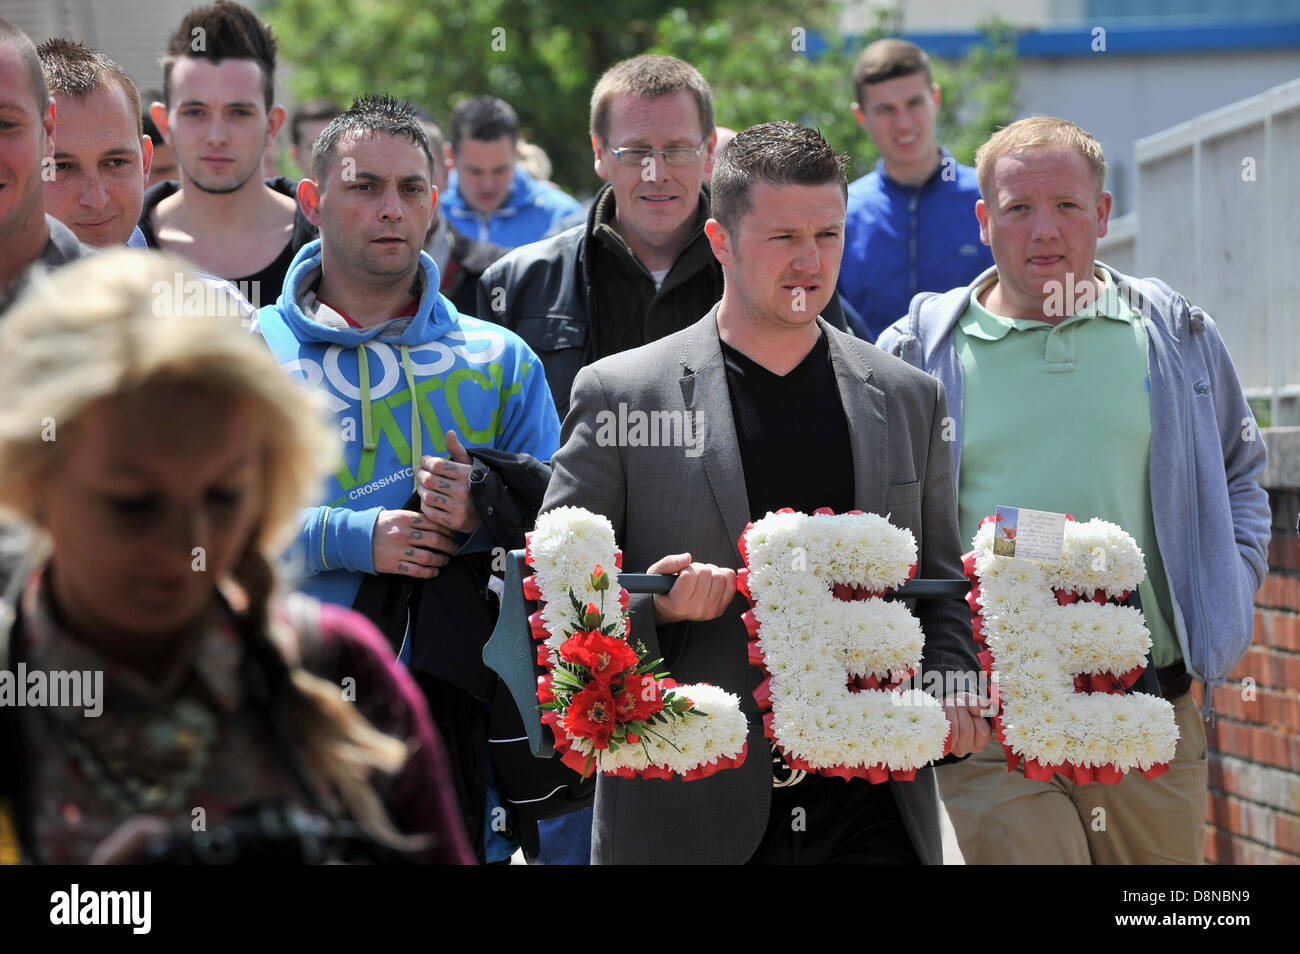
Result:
pixel 833 651
pixel 1064 657
pixel 606 704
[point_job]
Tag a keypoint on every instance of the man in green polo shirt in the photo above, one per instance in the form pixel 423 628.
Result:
pixel 1076 389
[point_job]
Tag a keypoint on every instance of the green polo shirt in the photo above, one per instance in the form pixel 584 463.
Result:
pixel 1059 418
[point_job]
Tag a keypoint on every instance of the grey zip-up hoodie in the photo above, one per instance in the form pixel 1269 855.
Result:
pixel 1211 515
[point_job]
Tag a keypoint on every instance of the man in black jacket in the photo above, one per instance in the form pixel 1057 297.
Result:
pixel 641 267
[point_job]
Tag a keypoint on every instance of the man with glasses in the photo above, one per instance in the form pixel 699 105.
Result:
pixel 640 268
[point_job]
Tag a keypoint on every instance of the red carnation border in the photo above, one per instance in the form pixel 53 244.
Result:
pixel 1109 683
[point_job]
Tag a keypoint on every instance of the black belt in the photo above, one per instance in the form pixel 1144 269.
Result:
pixel 1175 680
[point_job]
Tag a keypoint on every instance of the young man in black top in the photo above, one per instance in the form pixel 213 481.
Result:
pixel 218 114
pixel 795 414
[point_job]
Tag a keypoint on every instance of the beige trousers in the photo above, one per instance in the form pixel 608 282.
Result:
pixel 1002 817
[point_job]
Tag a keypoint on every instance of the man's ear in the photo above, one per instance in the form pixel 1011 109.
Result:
pixel 982 213
pixel 719 241
pixel 146 157
pixel 158 113
pixel 710 153
pixel 860 116
pixel 1103 214
pixel 309 200
pixel 598 150
pixel 938 95
pixel 48 124
pixel 275 119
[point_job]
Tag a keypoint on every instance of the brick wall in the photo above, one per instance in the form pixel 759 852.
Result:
pixel 1253 813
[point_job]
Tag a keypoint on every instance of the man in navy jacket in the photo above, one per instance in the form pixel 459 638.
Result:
pixel 911 223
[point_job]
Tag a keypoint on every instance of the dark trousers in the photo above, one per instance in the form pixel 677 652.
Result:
pixel 830 821
pixel 462 721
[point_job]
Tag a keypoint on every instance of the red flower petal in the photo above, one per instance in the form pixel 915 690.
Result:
pixel 1037 771
pixel 1107 774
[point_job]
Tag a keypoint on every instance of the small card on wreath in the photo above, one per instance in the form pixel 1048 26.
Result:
pixel 1029 534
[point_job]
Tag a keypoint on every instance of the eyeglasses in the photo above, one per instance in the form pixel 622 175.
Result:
pixel 676 156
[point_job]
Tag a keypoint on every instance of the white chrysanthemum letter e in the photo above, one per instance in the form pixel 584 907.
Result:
pixel 833 650
pixel 1063 657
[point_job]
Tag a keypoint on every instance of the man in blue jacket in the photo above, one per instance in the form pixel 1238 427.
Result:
pixel 413 384
pixel 1073 388
pixel 489 197
pixel 911 223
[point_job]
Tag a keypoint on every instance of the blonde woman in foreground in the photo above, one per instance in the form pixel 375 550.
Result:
pixel 185 713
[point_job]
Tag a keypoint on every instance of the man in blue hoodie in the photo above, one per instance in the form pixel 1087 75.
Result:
pixel 413 383
pixel 911 222
pixel 409 378
pixel 1073 388
pixel 489 197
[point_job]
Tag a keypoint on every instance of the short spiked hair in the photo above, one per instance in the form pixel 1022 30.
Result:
pixel 778 153
pixel 366 116
pixel 74 69
pixel 223 31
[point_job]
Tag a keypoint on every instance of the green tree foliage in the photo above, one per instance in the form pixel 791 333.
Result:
pixel 544 56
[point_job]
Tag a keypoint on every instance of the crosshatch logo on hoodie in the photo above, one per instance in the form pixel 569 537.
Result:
pixel 133 908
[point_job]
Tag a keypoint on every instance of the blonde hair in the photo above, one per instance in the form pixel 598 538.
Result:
pixel 110 324
pixel 1036 132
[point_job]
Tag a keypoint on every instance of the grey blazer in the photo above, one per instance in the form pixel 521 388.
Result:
pixel 664 500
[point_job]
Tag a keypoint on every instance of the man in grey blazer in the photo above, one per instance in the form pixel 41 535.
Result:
pixel 759 405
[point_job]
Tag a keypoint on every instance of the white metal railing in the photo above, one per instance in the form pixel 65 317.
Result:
pixel 1219 207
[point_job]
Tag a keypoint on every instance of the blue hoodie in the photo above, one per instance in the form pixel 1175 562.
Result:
pixel 396 389
pixel 531 212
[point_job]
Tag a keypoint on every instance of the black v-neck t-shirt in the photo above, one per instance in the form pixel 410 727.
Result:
pixel 792 432
pixel 796 451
